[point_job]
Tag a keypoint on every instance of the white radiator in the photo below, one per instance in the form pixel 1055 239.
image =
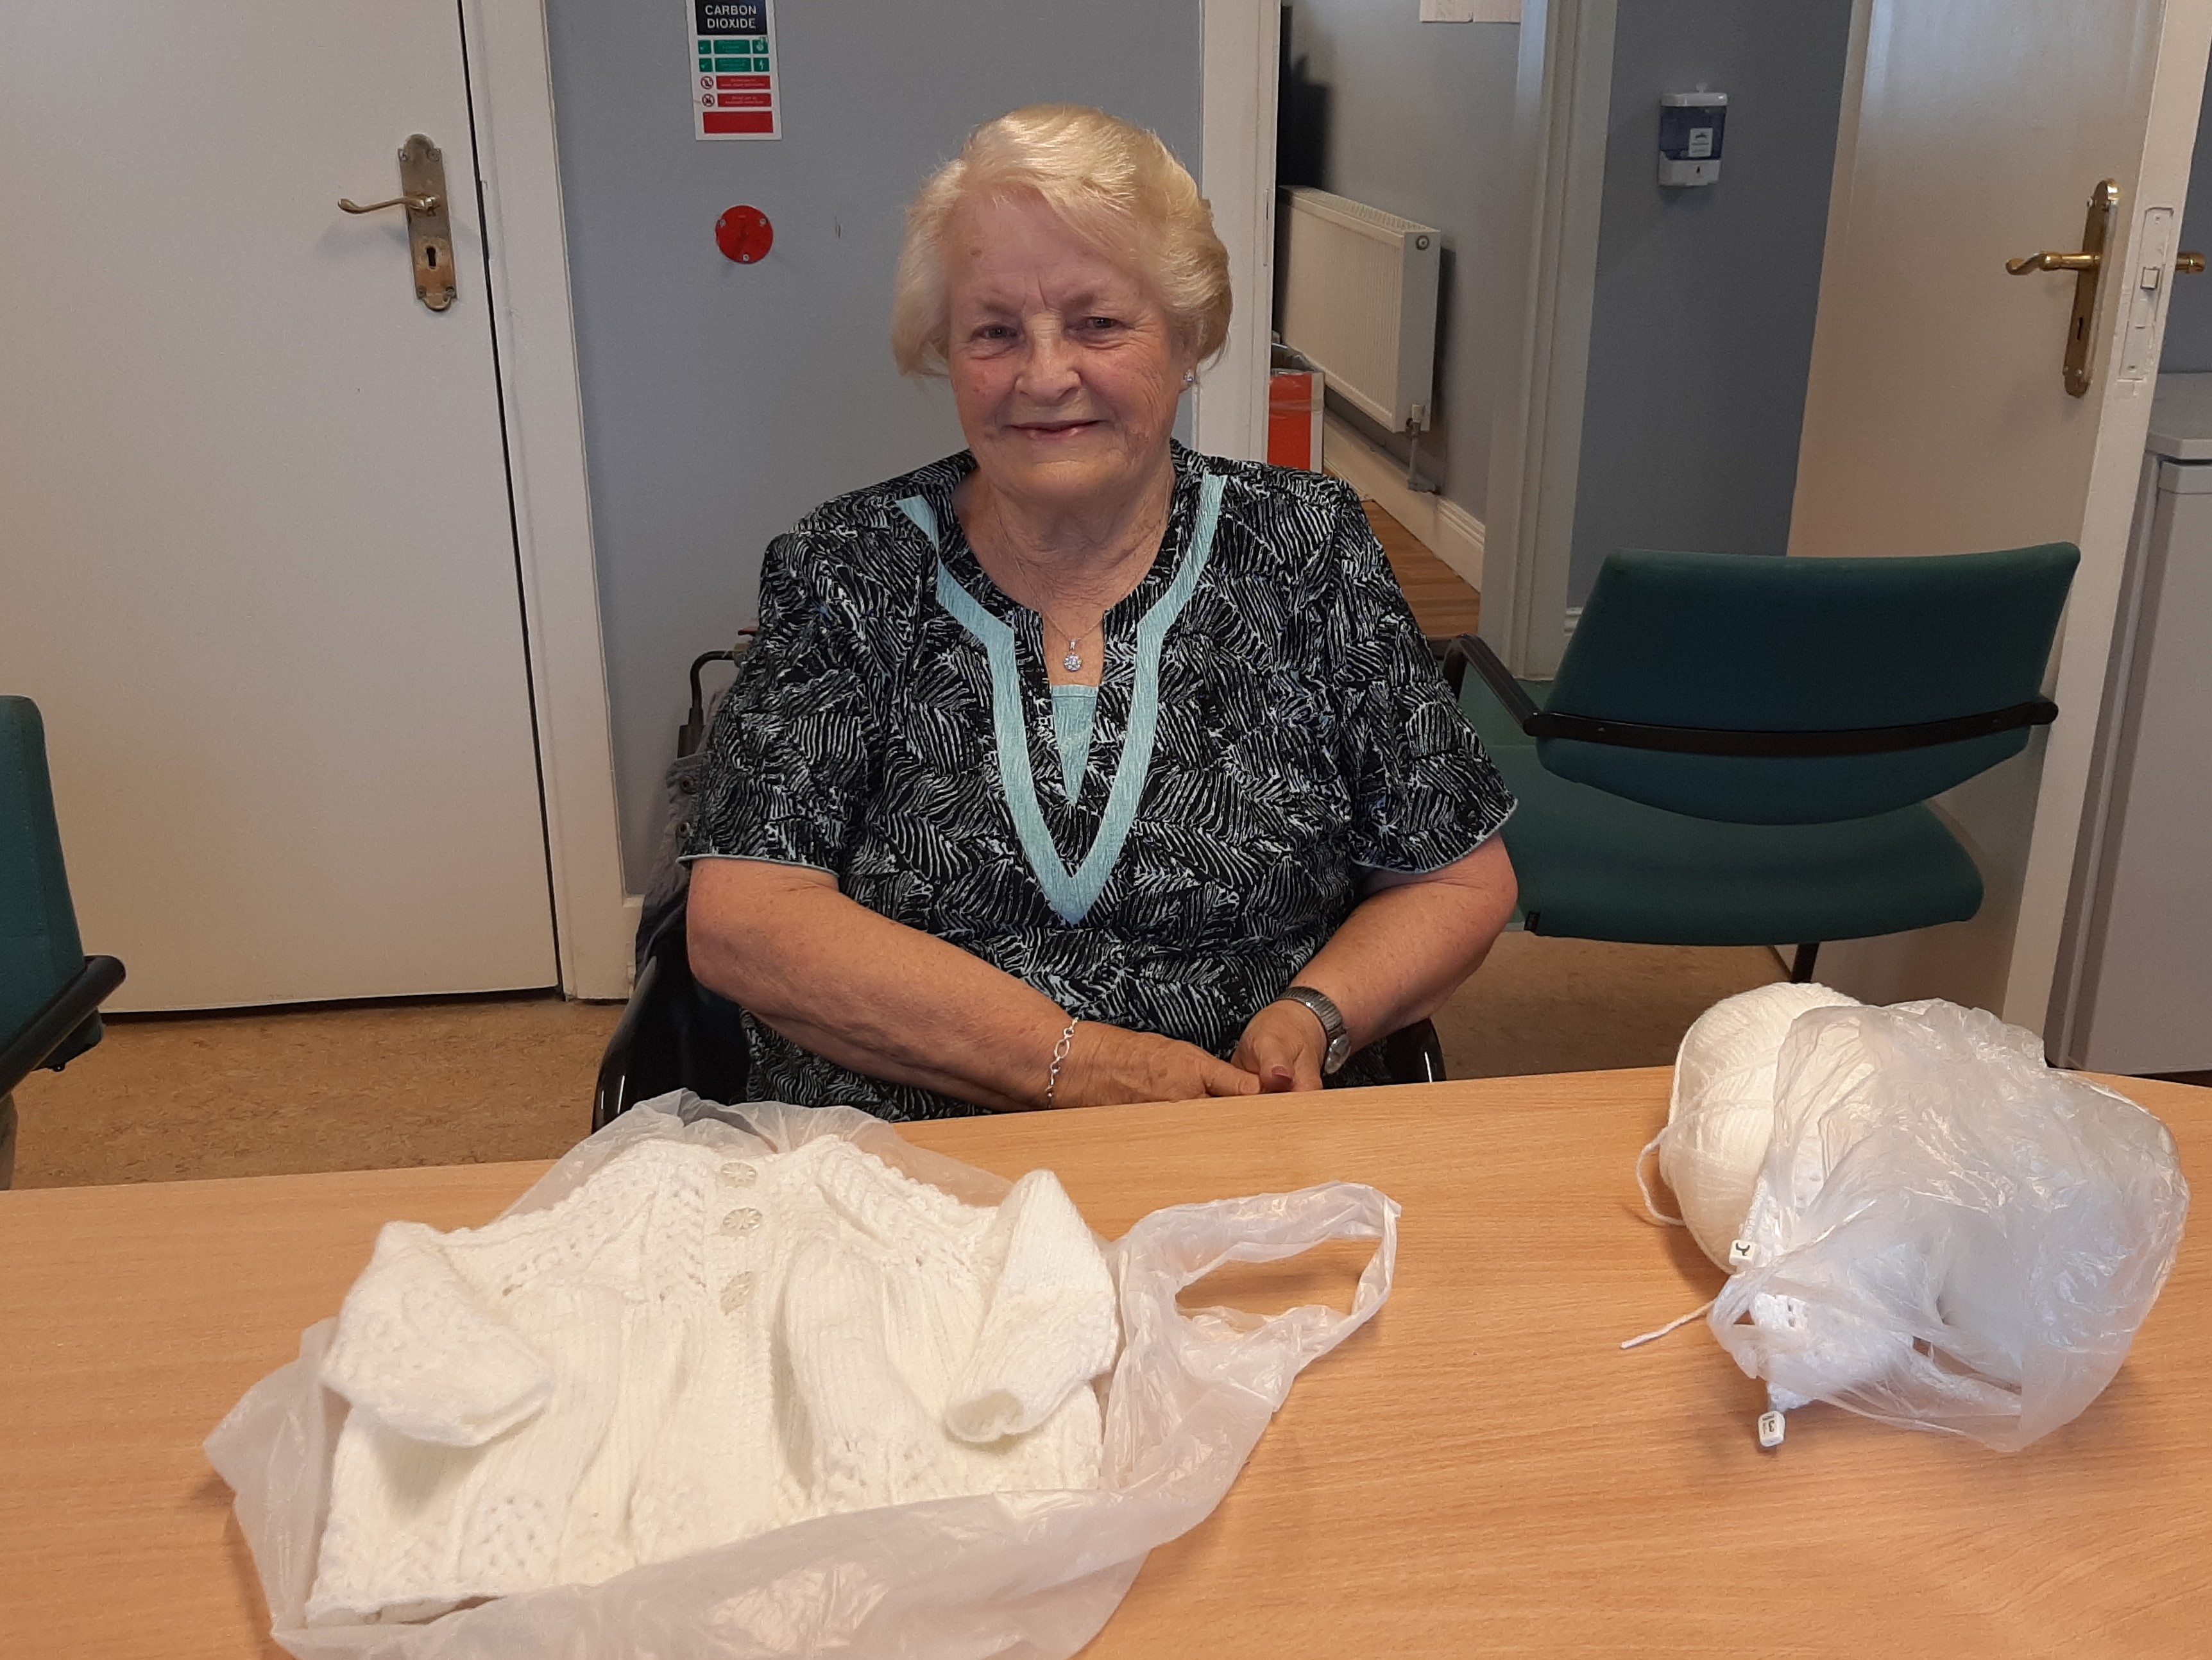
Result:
pixel 1359 299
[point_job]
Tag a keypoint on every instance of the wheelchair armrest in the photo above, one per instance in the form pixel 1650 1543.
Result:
pixel 1414 1054
pixel 1473 648
pixel 611 1096
pixel 58 1019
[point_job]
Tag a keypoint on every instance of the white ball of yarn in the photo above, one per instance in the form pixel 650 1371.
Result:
pixel 1721 1117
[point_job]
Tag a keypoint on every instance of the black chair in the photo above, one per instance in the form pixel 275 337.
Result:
pixel 676 1034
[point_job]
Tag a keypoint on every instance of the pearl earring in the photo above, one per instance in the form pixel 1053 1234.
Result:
pixel 1189 377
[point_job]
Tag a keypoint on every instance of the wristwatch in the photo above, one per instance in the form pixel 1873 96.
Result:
pixel 1332 1025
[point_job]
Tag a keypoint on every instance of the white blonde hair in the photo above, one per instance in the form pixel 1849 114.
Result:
pixel 1116 186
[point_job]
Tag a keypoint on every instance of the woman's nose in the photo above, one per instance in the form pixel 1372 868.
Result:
pixel 1048 369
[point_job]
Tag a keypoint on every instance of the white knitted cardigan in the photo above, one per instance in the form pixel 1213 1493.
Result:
pixel 692 1348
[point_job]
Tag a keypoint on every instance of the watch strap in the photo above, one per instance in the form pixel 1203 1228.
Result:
pixel 1324 1010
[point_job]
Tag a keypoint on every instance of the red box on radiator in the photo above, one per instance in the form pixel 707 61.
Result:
pixel 1294 414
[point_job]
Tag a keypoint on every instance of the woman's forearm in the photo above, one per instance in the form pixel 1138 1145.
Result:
pixel 1411 941
pixel 865 991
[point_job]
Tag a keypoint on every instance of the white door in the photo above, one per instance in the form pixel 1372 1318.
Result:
pixel 257 564
pixel 1936 420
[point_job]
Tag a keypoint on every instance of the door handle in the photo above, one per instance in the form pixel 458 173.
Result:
pixel 429 236
pixel 412 203
pixel 2087 267
pixel 2021 267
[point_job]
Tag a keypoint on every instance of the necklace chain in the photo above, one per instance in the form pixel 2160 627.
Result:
pixel 1071 660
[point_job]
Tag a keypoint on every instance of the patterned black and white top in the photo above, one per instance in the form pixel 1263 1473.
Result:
pixel 1269 725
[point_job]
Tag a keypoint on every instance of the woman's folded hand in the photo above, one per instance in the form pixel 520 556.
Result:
pixel 1110 1064
pixel 1283 1048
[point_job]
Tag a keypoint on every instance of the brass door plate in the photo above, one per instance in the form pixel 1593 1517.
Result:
pixel 2089 267
pixel 429 237
pixel 429 234
pixel 2096 240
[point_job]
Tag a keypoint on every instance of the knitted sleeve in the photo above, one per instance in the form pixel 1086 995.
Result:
pixel 1049 1326
pixel 418 1350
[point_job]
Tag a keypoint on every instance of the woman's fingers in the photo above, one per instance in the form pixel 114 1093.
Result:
pixel 1282 1049
pixel 1222 1078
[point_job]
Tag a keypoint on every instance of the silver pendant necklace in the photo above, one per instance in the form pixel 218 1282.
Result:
pixel 1073 661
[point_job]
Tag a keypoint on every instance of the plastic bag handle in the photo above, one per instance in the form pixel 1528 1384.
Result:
pixel 1176 1248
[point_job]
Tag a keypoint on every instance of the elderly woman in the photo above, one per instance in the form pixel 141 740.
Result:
pixel 1078 767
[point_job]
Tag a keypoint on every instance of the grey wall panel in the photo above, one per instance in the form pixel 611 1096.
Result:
pixel 2188 349
pixel 1702 328
pixel 723 401
pixel 1416 118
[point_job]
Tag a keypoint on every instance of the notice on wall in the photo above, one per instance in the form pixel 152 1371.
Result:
pixel 734 82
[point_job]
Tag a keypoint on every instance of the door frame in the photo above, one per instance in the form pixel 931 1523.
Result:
pixel 1239 51
pixel 1562 109
pixel 533 331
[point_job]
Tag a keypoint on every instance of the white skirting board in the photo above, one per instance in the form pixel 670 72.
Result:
pixel 1445 528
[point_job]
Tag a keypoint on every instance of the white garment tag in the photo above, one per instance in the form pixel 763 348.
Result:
pixel 1771 1428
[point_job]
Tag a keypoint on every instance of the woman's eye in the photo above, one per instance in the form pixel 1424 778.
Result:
pixel 1099 325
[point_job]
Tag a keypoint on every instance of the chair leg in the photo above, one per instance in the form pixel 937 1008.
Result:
pixel 1801 965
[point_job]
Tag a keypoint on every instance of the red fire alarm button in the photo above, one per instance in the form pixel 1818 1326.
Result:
pixel 744 235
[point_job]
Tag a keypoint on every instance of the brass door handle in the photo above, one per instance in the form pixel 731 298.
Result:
pixel 2189 264
pixel 412 203
pixel 2087 267
pixel 2033 261
pixel 429 236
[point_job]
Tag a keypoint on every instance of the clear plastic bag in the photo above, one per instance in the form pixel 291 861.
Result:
pixel 1946 1234
pixel 1026 1574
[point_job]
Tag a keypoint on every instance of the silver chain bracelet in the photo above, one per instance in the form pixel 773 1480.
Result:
pixel 1059 1059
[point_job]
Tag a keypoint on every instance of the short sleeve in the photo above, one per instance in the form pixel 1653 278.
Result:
pixel 1425 792
pixel 789 762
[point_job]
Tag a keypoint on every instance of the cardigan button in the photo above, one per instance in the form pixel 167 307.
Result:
pixel 741 1222
pixel 738 1174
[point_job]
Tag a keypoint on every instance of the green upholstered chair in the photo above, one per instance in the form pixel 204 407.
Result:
pixel 1739 751
pixel 50 990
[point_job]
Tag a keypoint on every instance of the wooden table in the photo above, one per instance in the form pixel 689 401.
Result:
pixel 1481 1471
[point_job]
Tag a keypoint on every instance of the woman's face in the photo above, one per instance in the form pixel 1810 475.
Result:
pixel 1065 367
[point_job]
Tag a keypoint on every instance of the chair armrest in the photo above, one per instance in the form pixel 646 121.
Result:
pixel 68 1009
pixel 611 1097
pixel 1472 648
pixel 1414 1054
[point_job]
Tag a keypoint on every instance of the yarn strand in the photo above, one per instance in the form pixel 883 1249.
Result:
pixel 1702 1309
pixel 1644 1183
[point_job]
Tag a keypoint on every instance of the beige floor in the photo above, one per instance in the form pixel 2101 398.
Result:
pixel 266 1092
pixel 473 1081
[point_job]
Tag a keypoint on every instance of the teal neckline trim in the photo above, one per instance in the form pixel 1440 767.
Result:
pixel 918 509
pixel 1071 893
pixel 1075 714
